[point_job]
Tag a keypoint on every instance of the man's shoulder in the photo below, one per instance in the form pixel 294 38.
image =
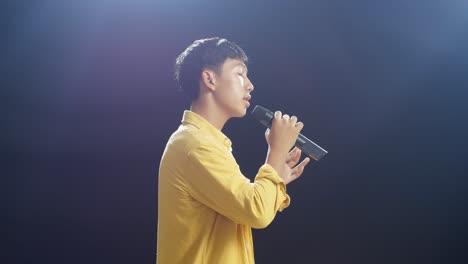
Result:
pixel 187 138
pixel 184 136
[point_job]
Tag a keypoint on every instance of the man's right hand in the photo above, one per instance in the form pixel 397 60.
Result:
pixel 283 133
pixel 281 138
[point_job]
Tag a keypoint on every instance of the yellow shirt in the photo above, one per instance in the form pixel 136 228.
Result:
pixel 206 207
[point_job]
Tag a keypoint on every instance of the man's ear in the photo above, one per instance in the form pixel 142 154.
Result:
pixel 209 79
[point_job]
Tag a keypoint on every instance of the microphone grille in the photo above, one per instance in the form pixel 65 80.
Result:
pixel 263 115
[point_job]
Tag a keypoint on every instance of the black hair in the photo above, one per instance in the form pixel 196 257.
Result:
pixel 203 53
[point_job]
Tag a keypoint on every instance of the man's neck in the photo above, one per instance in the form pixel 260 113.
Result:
pixel 212 115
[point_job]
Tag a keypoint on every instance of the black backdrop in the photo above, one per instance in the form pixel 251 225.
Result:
pixel 89 104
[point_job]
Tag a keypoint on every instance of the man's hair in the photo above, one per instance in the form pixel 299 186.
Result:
pixel 201 54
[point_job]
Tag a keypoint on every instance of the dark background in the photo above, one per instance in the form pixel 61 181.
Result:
pixel 88 105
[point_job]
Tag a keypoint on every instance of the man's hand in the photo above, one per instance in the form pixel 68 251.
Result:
pixel 284 132
pixel 281 138
pixel 291 171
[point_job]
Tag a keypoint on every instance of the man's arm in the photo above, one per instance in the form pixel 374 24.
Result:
pixel 216 181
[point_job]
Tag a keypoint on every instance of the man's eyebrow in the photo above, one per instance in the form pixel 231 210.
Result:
pixel 243 66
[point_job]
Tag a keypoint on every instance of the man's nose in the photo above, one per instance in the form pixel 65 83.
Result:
pixel 250 86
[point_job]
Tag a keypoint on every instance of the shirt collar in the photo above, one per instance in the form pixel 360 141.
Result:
pixel 198 121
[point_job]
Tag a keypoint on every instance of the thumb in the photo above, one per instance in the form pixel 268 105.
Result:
pixel 267 132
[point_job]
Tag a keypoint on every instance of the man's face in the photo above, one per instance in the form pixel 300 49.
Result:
pixel 233 88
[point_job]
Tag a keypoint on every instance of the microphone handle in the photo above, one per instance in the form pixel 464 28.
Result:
pixel 310 148
pixel 303 143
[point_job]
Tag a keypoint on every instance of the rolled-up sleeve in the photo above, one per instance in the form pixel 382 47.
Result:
pixel 214 179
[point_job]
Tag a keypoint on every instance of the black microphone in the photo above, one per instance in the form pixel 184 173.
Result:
pixel 265 117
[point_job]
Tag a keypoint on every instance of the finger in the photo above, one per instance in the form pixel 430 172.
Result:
pixel 267 134
pixel 293 119
pixel 292 154
pixel 295 156
pixel 278 114
pixel 299 169
pixel 286 117
pixel 293 150
pixel 299 126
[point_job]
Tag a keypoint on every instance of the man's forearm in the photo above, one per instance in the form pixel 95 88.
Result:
pixel 276 160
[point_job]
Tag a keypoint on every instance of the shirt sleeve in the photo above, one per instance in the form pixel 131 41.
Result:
pixel 215 180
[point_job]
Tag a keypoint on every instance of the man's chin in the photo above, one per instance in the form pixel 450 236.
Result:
pixel 241 113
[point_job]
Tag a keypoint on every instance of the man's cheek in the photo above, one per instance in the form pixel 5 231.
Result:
pixel 241 80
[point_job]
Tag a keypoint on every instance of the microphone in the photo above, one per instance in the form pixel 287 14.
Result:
pixel 265 117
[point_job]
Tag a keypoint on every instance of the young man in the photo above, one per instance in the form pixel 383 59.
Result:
pixel 206 207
